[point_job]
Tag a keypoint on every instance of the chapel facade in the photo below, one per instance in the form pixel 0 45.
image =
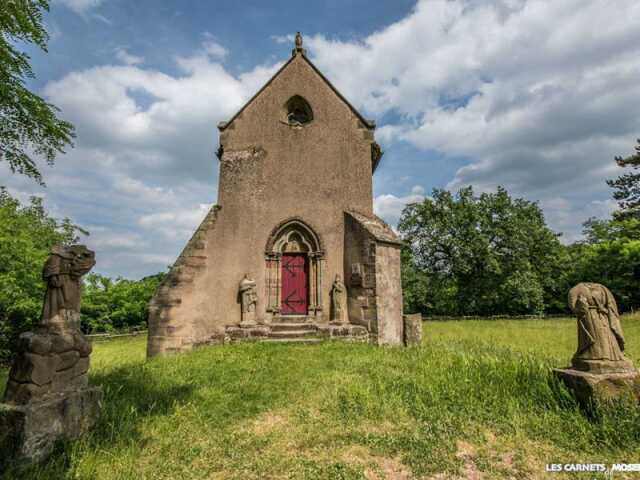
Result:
pixel 292 250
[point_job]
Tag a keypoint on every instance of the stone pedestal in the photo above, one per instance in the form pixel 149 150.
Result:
pixel 47 398
pixel 47 362
pixel 412 329
pixel 589 387
pixel 248 319
pixel 597 366
pixel 28 433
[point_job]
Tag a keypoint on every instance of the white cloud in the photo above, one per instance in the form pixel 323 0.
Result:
pixel 567 216
pixel 389 133
pixel 143 173
pixel 81 6
pixel 538 95
pixel 152 259
pixel 175 224
pixel 105 240
pixel 215 50
pixel 158 125
pixel 390 207
pixel 127 58
pixel 534 95
pixel 283 39
pixel 212 48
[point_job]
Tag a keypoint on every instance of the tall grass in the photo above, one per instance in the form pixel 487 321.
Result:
pixel 476 399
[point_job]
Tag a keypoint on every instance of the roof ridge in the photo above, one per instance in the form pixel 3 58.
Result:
pixel 298 50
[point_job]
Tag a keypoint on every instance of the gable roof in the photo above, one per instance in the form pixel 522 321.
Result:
pixel 376 227
pixel 370 124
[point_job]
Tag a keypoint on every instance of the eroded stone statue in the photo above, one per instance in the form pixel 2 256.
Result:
pixel 600 337
pixel 248 300
pixel 599 370
pixel 47 396
pixel 62 274
pixel 338 301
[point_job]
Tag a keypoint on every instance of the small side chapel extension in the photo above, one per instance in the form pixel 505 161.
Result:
pixel 293 222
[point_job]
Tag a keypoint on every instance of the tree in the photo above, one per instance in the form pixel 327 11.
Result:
pixel 110 305
pixel 610 255
pixel 596 230
pixel 487 254
pixel 627 187
pixel 28 124
pixel 416 291
pixel 27 234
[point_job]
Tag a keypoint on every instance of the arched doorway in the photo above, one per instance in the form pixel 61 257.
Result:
pixel 294 270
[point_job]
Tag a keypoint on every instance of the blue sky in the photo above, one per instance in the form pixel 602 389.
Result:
pixel 534 95
pixel 160 30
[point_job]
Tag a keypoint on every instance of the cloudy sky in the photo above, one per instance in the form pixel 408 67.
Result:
pixel 537 96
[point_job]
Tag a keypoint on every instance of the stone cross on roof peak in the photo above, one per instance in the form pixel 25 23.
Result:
pixel 298 45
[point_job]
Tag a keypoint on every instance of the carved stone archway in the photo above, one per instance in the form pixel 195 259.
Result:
pixel 293 236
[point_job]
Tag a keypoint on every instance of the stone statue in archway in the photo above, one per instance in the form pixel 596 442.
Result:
pixel 339 301
pixel 248 300
pixel 600 337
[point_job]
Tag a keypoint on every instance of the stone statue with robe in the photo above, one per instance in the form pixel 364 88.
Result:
pixel 339 301
pixel 248 300
pixel 600 336
pixel 62 275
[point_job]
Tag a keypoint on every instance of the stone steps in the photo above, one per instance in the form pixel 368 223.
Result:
pixel 292 333
pixel 288 319
pixel 296 333
pixel 293 327
pixel 292 340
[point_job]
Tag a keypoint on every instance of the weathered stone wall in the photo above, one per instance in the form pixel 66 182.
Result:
pixel 171 326
pixel 372 260
pixel 269 171
pixel 360 273
pixel 389 298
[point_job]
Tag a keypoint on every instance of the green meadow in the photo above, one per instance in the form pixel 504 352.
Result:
pixel 477 400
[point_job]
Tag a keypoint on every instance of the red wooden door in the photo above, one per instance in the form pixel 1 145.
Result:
pixel 294 284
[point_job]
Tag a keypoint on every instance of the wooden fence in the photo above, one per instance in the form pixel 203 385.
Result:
pixel 442 318
pixel 97 337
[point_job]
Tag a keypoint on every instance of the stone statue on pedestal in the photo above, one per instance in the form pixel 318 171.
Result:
pixel 339 301
pixel 62 274
pixel 47 396
pixel 248 300
pixel 599 370
pixel 600 337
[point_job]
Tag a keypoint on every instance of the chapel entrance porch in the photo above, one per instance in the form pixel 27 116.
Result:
pixel 295 263
pixel 294 259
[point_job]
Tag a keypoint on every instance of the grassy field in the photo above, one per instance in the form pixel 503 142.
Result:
pixel 476 401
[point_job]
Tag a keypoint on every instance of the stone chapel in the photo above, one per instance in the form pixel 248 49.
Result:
pixel 292 250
